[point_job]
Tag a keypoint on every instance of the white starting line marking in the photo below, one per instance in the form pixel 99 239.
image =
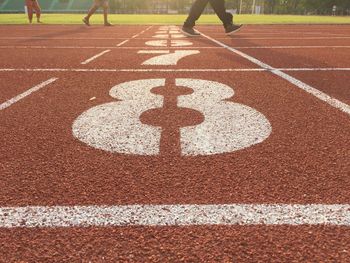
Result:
pixel 26 93
pixel 165 70
pixel 95 57
pixel 298 83
pixel 160 36
pixel 174 44
pixel 174 215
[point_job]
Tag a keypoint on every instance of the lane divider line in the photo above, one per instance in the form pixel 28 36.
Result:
pixel 174 215
pixel 298 83
pixel 120 38
pixel 95 57
pixel 165 70
pixel 134 36
pixel 26 93
pixel 119 46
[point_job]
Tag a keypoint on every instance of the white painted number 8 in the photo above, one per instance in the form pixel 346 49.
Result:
pixel 116 126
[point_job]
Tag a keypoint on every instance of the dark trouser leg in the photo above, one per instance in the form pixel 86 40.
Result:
pixel 220 10
pixel 195 12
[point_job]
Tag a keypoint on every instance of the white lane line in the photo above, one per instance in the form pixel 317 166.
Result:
pixel 119 46
pixel 148 28
pixel 122 43
pixel 165 70
pixel 95 57
pixel 174 215
pixel 12 101
pixel 298 83
pixel 134 36
pixel 150 38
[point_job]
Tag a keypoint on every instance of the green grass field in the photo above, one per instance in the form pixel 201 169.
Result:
pixel 176 19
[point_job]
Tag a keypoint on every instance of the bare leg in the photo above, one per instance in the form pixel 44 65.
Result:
pixel 92 11
pixel 37 9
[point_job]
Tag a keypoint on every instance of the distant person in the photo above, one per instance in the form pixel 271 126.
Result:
pixel 33 5
pixel 220 10
pixel 334 10
pixel 97 4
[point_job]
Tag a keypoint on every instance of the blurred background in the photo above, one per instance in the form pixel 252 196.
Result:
pixel 296 7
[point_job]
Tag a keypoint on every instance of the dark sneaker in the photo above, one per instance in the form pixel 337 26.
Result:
pixel 108 24
pixel 230 29
pixel 190 32
pixel 86 21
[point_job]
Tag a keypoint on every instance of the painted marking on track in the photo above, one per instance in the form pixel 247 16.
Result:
pixel 167 36
pixel 95 57
pixel 172 43
pixel 227 126
pixel 122 43
pixel 174 215
pixel 116 126
pixel 165 70
pixel 169 58
pixel 134 36
pixel 26 93
pixel 298 83
pixel 154 52
pixel 149 38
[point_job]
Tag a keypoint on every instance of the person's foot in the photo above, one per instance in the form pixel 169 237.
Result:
pixel 190 32
pixel 108 24
pixel 39 22
pixel 230 29
pixel 86 21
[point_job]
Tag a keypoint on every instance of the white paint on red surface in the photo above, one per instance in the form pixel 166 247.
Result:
pixel 167 58
pixel 227 126
pixel 25 94
pixel 116 127
pixel 175 215
pixel 171 43
pixel 296 82
pixel 95 57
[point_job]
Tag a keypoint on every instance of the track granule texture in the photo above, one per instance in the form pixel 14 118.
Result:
pixel 52 153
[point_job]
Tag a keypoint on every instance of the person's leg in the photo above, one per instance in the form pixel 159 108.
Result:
pixel 195 12
pixel 220 10
pixel 225 17
pixel 105 13
pixel 37 10
pixel 92 10
pixel 29 5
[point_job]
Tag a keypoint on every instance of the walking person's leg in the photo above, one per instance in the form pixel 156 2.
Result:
pixel 97 4
pixel 92 10
pixel 37 10
pixel 29 4
pixel 220 10
pixel 225 17
pixel 105 13
pixel 196 11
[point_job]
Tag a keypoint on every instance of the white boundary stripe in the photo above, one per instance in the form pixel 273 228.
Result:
pixel 315 92
pixel 25 94
pixel 174 215
pixel 95 57
pixel 165 70
pixel 119 46
pixel 150 38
